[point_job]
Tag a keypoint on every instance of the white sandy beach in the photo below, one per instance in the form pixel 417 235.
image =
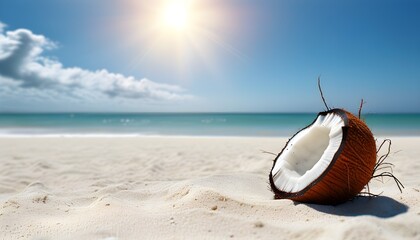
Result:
pixel 184 188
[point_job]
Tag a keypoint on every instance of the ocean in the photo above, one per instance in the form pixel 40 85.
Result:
pixel 187 124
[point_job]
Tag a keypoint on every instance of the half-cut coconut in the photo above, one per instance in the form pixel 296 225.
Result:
pixel 328 162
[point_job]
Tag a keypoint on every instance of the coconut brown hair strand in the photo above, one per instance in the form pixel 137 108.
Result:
pixel 381 165
pixel 322 94
pixel 360 108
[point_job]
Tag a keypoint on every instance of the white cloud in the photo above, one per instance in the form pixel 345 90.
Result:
pixel 23 66
pixel 2 27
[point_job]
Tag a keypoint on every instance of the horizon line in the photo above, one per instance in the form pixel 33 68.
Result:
pixel 182 112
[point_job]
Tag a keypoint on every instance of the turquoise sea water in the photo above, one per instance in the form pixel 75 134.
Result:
pixel 189 124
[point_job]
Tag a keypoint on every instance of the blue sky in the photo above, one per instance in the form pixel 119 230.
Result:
pixel 235 56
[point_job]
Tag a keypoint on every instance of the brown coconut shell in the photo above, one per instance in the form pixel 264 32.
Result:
pixel 349 171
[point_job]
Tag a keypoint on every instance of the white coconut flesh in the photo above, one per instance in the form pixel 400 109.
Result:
pixel 308 154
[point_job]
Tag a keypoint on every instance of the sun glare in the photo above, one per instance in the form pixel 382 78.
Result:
pixel 178 33
pixel 176 15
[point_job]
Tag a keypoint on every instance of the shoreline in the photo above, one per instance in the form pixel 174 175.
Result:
pixel 122 135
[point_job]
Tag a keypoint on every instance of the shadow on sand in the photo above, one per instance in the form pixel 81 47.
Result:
pixel 381 206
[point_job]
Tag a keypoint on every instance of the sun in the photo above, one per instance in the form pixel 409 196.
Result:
pixel 176 15
pixel 179 33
